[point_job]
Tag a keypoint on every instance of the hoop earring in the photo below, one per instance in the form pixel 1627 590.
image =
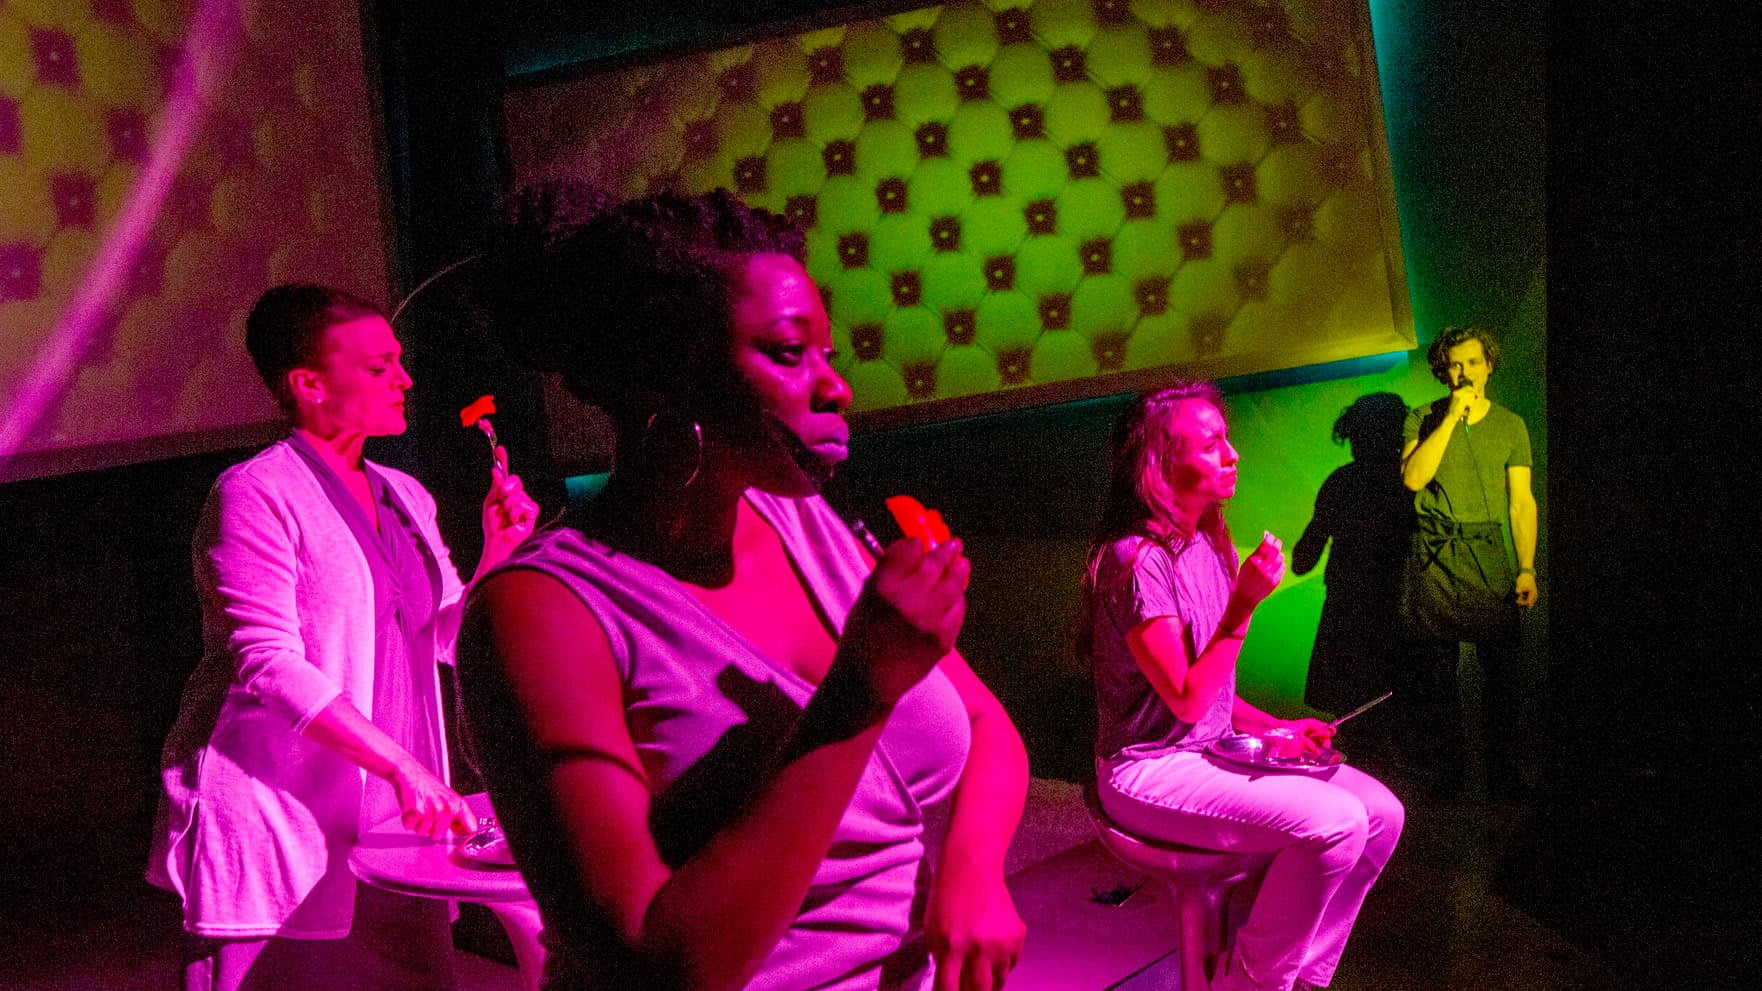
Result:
pixel 697 434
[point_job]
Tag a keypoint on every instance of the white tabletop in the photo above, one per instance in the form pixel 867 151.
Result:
pixel 391 857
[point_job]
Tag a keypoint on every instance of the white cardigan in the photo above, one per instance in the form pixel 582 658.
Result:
pixel 258 821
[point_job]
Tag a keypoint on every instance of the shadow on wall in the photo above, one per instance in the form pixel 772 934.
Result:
pixel 1365 514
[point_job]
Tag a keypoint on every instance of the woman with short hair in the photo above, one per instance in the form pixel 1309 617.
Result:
pixel 328 601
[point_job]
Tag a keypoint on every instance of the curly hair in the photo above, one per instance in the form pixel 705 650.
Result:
pixel 287 325
pixel 1438 355
pixel 628 300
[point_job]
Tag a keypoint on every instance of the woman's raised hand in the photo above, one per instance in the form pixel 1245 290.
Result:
pixel 1260 574
pixel 509 514
pixel 908 615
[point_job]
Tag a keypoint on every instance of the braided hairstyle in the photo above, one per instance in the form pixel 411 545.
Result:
pixel 629 300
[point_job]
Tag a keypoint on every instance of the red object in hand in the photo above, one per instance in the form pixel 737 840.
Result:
pixel 480 408
pixel 938 530
pixel 477 414
pixel 913 519
pixel 916 521
pixel 923 525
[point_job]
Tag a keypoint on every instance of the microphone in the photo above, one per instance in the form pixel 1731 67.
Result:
pixel 1466 384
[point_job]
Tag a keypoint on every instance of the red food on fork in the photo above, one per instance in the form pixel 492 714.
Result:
pixel 924 525
pixel 477 414
pixel 938 530
pixel 481 407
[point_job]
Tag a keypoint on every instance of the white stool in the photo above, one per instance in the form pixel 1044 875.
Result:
pixel 1199 879
pixel 391 857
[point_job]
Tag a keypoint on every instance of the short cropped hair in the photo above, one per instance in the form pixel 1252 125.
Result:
pixel 286 329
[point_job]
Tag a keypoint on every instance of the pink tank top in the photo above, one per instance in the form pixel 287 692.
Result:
pixel 705 708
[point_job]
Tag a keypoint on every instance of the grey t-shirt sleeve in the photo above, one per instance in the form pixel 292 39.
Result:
pixel 1141 583
pixel 1144 581
pixel 1520 444
pixel 1415 420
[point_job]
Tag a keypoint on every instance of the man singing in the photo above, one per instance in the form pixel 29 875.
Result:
pixel 1468 460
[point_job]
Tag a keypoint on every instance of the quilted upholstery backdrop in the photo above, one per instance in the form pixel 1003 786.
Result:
pixel 279 180
pixel 1028 200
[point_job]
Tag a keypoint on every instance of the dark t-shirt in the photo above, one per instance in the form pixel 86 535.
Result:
pixel 1458 580
pixel 1470 484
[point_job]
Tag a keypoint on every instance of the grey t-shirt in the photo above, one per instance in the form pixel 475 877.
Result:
pixel 406 593
pixel 1139 579
pixel 1470 484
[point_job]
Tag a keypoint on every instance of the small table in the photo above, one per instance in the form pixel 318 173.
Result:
pixel 395 859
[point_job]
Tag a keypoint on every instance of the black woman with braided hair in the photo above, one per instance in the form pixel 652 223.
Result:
pixel 708 719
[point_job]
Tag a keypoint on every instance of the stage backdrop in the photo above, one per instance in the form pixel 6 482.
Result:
pixel 1024 202
pixel 161 163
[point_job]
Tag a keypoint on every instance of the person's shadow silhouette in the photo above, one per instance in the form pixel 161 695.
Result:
pixel 716 789
pixel 1367 513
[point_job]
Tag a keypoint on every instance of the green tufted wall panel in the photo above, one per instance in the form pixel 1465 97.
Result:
pixel 1024 202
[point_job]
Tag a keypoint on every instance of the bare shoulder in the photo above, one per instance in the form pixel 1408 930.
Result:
pixel 523 611
pixel 531 638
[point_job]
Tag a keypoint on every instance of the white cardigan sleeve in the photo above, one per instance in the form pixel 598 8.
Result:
pixel 246 557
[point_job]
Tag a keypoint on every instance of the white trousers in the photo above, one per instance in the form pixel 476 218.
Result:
pixel 1330 836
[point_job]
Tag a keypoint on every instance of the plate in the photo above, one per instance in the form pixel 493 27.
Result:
pixel 1252 751
pixel 488 846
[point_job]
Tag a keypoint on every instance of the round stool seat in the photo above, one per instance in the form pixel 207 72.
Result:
pixel 1173 862
pixel 1199 878
pixel 395 859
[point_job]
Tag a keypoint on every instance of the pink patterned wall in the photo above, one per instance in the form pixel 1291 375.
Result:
pixel 161 163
